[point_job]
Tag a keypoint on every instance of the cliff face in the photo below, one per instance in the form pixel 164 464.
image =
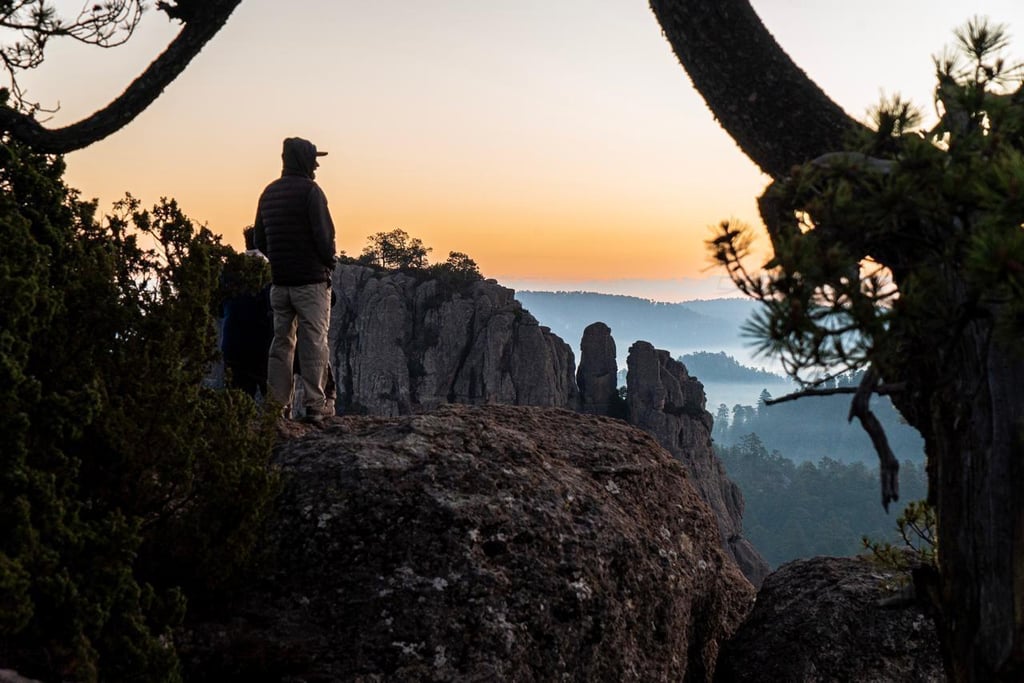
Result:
pixel 664 400
pixel 597 377
pixel 497 542
pixel 404 345
pixel 478 544
pixel 401 345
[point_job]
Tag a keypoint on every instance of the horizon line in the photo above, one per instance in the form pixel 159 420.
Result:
pixel 659 290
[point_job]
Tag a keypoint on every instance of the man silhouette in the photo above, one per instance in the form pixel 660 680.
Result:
pixel 247 329
pixel 294 230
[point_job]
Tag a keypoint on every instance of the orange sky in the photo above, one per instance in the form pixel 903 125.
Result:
pixel 557 142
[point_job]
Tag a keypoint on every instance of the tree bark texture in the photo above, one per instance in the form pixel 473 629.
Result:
pixel 776 114
pixel 976 452
pixel 203 24
pixel 966 398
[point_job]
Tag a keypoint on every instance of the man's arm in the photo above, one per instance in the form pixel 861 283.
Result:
pixel 322 226
pixel 259 233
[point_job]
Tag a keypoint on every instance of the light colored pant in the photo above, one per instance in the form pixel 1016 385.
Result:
pixel 302 316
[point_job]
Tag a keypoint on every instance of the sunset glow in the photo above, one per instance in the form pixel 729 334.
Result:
pixel 552 141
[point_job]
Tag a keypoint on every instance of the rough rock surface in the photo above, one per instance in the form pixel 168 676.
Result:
pixel 820 620
pixel 664 400
pixel 11 676
pixel 404 344
pixel 597 377
pixel 401 344
pixel 492 543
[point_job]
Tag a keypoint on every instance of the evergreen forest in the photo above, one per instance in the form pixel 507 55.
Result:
pixel 816 427
pixel 795 510
pixel 709 366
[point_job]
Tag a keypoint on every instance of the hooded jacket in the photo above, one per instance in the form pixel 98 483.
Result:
pixel 293 226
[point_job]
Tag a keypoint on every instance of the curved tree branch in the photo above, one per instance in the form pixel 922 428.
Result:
pixel 880 389
pixel 888 465
pixel 780 118
pixel 203 24
pixel 776 114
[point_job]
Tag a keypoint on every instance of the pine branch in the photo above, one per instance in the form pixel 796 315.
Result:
pixel 880 389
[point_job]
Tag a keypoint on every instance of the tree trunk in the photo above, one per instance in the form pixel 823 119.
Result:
pixel 973 425
pixel 776 114
pixel 976 482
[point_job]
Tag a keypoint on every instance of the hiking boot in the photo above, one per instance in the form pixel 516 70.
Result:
pixel 317 415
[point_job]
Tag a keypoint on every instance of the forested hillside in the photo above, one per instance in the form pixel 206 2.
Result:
pixel 816 427
pixel 712 367
pixel 794 510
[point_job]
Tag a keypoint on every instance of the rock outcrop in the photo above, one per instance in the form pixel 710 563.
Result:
pixel 664 400
pixel 490 543
pixel 11 676
pixel 405 343
pixel 402 343
pixel 597 377
pixel 516 543
pixel 825 619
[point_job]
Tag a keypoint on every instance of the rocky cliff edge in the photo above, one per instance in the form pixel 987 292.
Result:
pixel 478 543
pixel 402 343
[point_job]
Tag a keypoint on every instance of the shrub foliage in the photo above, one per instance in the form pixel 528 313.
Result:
pixel 892 249
pixel 126 485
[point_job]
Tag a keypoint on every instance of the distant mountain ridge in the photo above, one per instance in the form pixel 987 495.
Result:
pixel 721 367
pixel 707 337
pixel 699 325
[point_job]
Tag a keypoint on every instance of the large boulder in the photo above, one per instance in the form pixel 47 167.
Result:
pixel 403 343
pixel 491 543
pixel 666 401
pixel 829 619
pixel 11 676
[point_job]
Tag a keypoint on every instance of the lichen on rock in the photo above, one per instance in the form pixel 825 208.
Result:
pixel 480 543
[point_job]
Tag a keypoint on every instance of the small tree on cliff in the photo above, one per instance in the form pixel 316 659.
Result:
pixel 904 256
pixel 457 268
pixel 394 250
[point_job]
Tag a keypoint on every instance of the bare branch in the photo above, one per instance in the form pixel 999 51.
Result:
pixel 204 23
pixel 105 23
pixel 888 465
pixel 880 389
